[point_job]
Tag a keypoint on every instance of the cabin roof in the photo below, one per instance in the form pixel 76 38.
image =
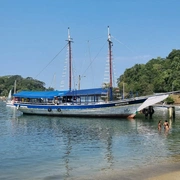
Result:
pixel 52 94
pixel 39 94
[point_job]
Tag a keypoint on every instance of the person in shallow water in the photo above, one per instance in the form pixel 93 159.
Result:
pixel 159 125
pixel 166 125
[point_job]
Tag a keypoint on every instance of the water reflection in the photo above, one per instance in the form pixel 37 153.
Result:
pixel 53 147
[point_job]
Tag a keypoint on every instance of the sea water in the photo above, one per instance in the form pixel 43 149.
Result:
pixel 45 148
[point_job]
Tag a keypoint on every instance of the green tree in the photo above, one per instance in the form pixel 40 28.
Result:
pixel 157 75
pixel 7 84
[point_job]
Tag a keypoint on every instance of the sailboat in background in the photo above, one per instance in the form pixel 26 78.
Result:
pixel 10 99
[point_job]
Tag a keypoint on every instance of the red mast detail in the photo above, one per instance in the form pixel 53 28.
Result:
pixel 70 59
pixel 110 66
pixel 110 59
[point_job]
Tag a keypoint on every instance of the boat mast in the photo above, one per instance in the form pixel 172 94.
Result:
pixel 15 87
pixel 123 91
pixel 110 65
pixel 70 60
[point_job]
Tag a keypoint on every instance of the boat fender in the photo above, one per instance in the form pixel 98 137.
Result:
pixel 49 109
pixel 59 110
pixel 18 106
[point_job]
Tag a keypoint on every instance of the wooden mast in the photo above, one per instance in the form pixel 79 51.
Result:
pixel 110 65
pixel 14 87
pixel 70 59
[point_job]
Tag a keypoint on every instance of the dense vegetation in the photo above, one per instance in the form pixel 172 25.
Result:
pixel 156 76
pixel 7 84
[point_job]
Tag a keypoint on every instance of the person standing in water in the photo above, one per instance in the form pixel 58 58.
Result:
pixel 166 125
pixel 159 125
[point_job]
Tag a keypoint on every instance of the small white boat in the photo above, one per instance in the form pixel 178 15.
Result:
pixel 10 99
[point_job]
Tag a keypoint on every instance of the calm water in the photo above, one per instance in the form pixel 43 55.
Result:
pixel 45 148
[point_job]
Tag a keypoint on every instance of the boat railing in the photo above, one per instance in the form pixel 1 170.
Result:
pixel 60 103
pixel 37 103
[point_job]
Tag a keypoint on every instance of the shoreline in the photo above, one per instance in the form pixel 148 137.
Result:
pixel 169 176
pixel 161 171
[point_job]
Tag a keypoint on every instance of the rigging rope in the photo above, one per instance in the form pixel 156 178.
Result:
pixel 94 59
pixel 122 43
pixel 50 61
pixel 90 62
pixel 89 50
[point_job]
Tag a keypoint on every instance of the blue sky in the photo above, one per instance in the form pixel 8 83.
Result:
pixel 33 32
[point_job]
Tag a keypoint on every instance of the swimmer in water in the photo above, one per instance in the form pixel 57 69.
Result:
pixel 159 125
pixel 166 125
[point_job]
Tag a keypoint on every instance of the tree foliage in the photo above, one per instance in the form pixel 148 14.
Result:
pixel 7 84
pixel 169 100
pixel 157 75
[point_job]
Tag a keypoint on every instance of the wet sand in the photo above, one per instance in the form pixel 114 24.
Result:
pixel 169 176
pixel 168 171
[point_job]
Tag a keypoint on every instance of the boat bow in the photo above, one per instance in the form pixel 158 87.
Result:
pixel 152 100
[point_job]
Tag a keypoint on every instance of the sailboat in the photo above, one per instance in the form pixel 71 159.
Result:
pixel 81 103
pixel 10 99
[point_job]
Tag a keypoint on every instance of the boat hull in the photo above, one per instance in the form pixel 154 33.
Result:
pixel 114 109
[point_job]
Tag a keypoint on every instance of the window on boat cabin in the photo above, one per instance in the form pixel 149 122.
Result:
pixel 56 101
pixel 67 99
pixel 17 99
pixel 50 100
pixel 89 99
pixel 60 99
pixel 78 100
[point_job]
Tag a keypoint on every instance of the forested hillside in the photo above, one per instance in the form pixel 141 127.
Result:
pixel 157 75
pixel 7 84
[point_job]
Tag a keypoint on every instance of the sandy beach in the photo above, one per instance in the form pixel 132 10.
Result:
pixel 167 171
pixel 170 176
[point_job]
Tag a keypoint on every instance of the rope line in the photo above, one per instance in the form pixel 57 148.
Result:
pixel 93 59
pixel 51 61
pixel 122 43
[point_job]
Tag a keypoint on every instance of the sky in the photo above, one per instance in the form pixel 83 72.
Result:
pixel 33 37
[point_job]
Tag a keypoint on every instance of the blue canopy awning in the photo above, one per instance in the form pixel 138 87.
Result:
pixel 52 94
pixel 40 94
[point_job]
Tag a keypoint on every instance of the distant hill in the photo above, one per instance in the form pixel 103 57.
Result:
pixel 7 84
pixel 157 75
